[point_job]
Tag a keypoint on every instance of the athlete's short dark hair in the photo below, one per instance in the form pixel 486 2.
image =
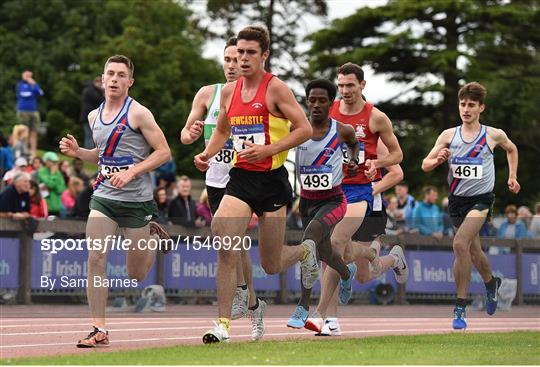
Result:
pixel 350 68
pixel 322 84
pixel 256 33
pixel 121 59
pixel 473 91
pixel 231 42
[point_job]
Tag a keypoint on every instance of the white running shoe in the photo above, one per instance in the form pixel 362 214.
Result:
pixel 309 266
pixel 401 270
pixel 218 334
pixel 315 322
pixel 257 322
pixel 240 303
pixel 330 328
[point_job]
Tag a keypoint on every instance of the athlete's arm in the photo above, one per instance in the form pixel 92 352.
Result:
pixel 382 125
pixel 394 174
pixel 141 118
pixel 70 147
pixel 281 99
pixel 347 135
pixel 222 132
pixel 194 126
pixel 440 152
pixel 504 142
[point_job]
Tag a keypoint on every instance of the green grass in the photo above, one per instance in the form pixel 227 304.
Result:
pixel 456 348
pixel 89 168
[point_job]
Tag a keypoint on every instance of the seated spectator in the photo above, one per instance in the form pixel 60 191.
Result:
pixel 427 216
pixel 77 170
pixel 535 222
pixel 182 210
pixel 524 214
pixel 405 207
pixel 34 167
pixel 448 227
pixel 511 227
pixel 65 169
pixel 160 197
pixel 391 209
pixel 81 210
pixel 20 166
pixel 19 139
pixel 53 182
pixel 38 205
pixel 6 155
pixel 15 199
pixel 294 219
pixel 203 208
pixel 69 196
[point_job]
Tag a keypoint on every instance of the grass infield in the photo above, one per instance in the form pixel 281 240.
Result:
pixel 522 348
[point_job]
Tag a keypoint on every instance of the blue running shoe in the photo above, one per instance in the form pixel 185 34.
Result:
pixel 492 298
pixel 345 286
pixel 460 318
pixel 298 318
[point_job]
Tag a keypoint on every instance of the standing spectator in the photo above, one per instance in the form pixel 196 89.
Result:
pixel 65 169
pixel 91 98
pixel 20 166
pixel 81 210
pixel 391 224
pixel 203 208
pixel 405 206
pixel 524 214
pixel 535 222
pixel 160 197
pixel 69 196
pixel 427 215
pixel 14 199
pixel 19 138
pixel 511 227
pixel 448 228
pixel 6 155
pixel 53 181
pixel 27 91
pixel 77 169
pixel 38 205
pixel 182 209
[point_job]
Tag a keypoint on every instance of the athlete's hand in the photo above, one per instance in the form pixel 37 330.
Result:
pixel 122 178
pixel 69 146
pixel 201 161
pixel 196 129
pixel 352 169
pixel 513 185
pixel 254 152
pixel 371 171
pixel 443 155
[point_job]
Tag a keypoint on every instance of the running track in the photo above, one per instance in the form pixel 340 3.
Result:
pixel 42 330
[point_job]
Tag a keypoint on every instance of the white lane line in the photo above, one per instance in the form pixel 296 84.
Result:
pixel 360 332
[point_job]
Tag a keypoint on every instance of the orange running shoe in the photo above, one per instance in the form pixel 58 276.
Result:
pixel 96 338
pixel 155 229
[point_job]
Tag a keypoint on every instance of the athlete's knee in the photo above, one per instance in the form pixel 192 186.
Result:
pixel 137 274
pixel 461 246
pixel 218 227
pixel 348 255
pixel 97 260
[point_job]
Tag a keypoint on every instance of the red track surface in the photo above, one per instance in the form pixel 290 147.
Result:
pixel 41 330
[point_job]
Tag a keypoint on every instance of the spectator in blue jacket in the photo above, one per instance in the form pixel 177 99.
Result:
pixel 511 227
pixel 27 91
pixel 427 216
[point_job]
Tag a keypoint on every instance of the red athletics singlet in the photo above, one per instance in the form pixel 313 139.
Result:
pixel 251 121
pixel 368 141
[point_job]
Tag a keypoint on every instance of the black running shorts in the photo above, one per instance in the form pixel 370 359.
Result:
pixel 215 194
pixel 372 226
pixel 327 211
pixel 460 206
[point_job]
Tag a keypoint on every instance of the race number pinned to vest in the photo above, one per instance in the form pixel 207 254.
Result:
pixel 361 153
pixel 467 168
pixel 226 154
pixel 316 177
pixel 251 133
pixel 111 165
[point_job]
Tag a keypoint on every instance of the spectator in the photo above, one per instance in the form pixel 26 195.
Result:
pixel 91 98
pixel 6 155
pixel 69 196
pixel 53 182
pixel 34 168
pixel 511 227
pixel 20 166
pixel 535 222
pixel 65 171
pixel 182 209
pixel 165 173
pixel 19 138
pixel 203 208
pixel 160 197
pixel 78 171
pixel 391 223
pixel 524 214
pixel 38 205
pixel 27 91
pixel 427 215
pixel 14 199
pixel 294 219
pixel 81 210
pixel 405 207
pixel 448 227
